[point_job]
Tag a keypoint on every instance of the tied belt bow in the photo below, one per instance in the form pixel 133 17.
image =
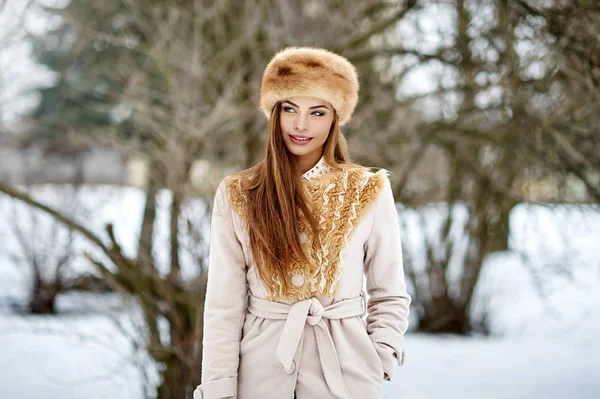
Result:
pixel 310 311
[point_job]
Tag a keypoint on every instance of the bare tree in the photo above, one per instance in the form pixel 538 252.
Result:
pixel 44 251
pixel 510 108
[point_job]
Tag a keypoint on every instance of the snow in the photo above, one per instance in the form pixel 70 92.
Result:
pixel 541 300
pixel 65 357
pixel 511 367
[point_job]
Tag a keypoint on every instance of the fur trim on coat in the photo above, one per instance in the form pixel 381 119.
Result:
pixel 340 200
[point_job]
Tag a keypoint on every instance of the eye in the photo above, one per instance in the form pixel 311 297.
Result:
pixel 288 109
pixel 319 113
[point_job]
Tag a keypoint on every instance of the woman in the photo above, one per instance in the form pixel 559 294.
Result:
pixel 292 240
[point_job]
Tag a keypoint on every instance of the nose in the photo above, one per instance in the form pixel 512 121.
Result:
pixel 301 123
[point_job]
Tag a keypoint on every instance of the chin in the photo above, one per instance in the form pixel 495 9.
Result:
pixel 300 152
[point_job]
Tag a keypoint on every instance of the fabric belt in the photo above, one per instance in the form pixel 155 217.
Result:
pixel 312 311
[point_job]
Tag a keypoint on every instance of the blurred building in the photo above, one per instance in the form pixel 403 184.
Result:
pixel 34 164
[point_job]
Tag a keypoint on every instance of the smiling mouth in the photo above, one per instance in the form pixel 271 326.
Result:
pixel 300 139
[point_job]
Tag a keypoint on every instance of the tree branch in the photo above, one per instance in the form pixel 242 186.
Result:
pixel 380 27
pixel 68 222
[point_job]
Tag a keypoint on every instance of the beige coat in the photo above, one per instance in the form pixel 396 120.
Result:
pixel 312 340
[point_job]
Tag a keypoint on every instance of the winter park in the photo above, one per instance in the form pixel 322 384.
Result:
pixel 118 120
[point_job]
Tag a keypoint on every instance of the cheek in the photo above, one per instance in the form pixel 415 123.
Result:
pixel 324 130
pixel 284 123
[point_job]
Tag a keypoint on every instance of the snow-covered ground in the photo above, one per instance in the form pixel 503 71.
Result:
pixel 541 299
pixel 70 356
pixel 544 367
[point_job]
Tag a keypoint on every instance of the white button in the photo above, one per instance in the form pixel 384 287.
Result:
pixel 292 368
pixel 298 280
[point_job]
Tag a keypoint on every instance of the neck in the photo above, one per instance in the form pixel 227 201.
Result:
pixel 307 162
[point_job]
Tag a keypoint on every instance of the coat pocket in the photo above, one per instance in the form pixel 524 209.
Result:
pixel 377 359
pixel 365 350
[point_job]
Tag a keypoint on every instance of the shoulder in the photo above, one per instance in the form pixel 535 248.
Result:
pixel 371 182
pixel 231 192
pixel 376 185
pixel 362 186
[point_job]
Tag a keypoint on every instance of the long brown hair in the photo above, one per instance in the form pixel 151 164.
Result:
pixel 276 199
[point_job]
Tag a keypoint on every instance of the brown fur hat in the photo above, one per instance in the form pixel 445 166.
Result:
pixel 307 71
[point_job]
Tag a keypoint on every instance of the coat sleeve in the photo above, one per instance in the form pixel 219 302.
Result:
pixel 224 306
pixel 389 302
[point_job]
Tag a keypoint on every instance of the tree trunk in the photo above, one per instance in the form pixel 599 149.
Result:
pixel 43 297
pixel 443 315
pixel 144 255
pixel 175 380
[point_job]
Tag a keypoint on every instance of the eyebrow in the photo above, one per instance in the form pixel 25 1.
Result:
pixel 316 106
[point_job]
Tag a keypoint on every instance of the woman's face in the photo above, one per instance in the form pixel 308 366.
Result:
pixel 305 123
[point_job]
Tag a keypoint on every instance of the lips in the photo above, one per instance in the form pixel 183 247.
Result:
pixel 300 140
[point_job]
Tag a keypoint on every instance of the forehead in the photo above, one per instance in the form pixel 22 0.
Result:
pixel 307 101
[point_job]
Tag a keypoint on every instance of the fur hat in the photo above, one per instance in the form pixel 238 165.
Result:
pixel 307 71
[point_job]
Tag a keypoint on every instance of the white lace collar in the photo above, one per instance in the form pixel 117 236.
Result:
pixel 319 169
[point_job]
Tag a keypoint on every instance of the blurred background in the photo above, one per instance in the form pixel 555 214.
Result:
pixel 119 117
